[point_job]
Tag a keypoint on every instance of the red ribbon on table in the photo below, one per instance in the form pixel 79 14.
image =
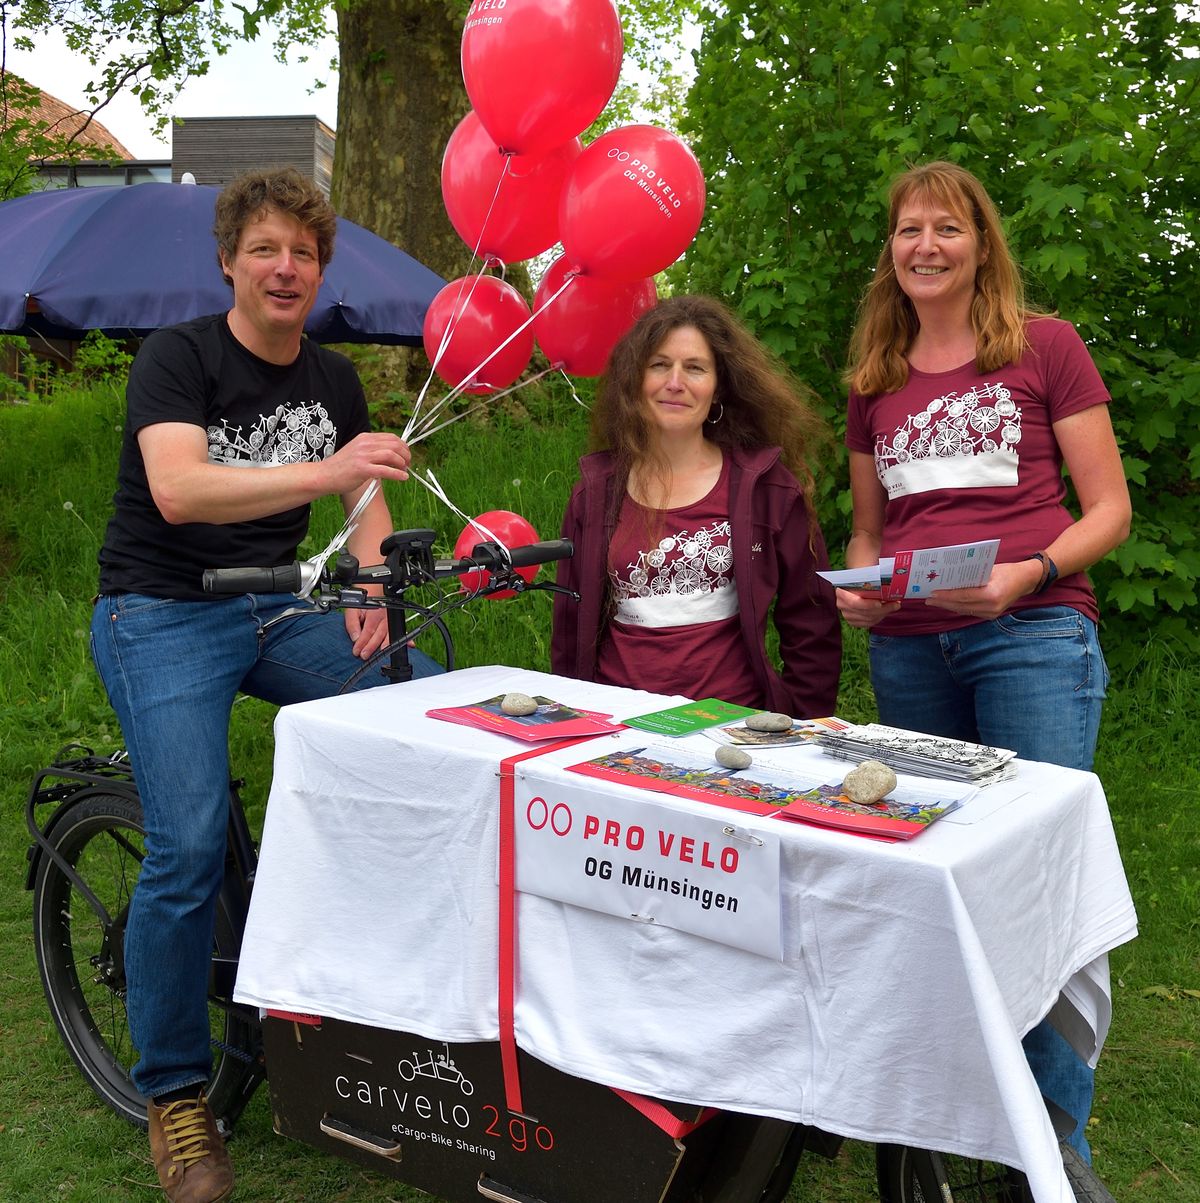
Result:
pixel 506 995
pixel 507 936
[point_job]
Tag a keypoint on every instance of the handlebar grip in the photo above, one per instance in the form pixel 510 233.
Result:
pixel 285 578
pixel 542 553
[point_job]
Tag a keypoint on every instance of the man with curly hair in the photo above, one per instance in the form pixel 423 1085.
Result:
pixel 236 423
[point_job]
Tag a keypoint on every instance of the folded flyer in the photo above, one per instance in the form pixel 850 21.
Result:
pixel 916 752
pixel 551 720
pixel 918 573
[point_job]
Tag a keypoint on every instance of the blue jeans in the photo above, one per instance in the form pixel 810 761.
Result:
pixel 172 670
pixel 1033 681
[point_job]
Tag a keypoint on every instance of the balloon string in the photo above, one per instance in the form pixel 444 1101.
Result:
pixel 551 299
pixel 455 313
pixel 431 482
pixel 426 431
pixel 488 215
pixel 571 385
pixel 339 540
pixel 472 376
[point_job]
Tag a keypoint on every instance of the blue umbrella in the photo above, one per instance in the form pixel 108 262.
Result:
pixel 129 260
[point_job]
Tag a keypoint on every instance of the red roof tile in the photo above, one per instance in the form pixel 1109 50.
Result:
pixel 60 118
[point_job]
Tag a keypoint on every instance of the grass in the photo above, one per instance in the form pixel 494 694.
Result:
pixel 57 466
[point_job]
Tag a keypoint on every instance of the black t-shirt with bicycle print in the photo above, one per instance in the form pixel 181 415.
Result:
pixel 257 415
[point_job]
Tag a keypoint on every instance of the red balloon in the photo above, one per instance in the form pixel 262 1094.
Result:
pixel 538 72
pixel 480 312
pixel 579 328
pixel 632 204
pixel 510 529
pixel 520 217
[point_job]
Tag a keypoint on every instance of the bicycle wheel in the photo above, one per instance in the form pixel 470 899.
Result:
pixel 1084 1180
pixel 81 956
pixel 909 1175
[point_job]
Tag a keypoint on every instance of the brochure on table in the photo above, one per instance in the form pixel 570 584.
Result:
pixel 550 721
pixel 918 573
pixel 802 731
pixel 797 783
pixel 917 753
pixel 691 716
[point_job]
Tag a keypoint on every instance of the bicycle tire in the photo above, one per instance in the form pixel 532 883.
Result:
pixel 911 1175
pixel 1084 1180
pixel 908 1175
pixel 81 959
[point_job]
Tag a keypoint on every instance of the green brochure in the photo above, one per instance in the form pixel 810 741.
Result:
pixel 691 716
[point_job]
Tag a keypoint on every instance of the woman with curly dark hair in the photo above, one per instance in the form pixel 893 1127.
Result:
pixel 693 520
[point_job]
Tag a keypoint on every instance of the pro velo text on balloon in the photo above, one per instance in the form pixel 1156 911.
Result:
pixel 646 175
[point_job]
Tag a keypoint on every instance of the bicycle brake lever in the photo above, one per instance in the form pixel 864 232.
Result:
pixel 550 587
pixel 315 606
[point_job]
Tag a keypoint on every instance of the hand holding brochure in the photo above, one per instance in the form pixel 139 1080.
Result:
pixel 918 573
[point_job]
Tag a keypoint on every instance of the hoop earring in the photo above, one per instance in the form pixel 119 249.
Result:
pixel 714 421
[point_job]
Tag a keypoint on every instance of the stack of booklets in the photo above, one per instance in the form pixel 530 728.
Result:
pixel 918 754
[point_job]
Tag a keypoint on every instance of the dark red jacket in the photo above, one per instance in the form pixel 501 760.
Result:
pixel 775 558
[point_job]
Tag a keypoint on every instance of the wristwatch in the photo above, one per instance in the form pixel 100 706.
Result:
pixel 1049 571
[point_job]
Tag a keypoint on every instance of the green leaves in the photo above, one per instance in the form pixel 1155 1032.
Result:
pixel 150 49
pixel 1060 261
pixel 1080 120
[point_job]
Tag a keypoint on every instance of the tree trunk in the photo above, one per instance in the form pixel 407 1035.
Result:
pixel 400 95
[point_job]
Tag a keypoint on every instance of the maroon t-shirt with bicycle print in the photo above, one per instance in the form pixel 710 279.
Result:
pixel 675 628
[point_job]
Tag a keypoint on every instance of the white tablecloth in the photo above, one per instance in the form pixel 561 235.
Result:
pixel 910 970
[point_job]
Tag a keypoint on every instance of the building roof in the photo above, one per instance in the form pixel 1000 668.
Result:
pixel 60 118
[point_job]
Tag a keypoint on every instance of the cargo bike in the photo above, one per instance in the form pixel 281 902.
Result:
pixel 463 1143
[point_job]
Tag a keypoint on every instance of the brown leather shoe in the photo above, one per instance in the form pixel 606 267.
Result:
pixel 189 1152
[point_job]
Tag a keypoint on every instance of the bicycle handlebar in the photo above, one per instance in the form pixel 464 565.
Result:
pixel 300 575
pixel 485 555
pixel 286 578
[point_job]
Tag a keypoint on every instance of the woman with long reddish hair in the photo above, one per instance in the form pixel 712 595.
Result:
pixel 964 406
